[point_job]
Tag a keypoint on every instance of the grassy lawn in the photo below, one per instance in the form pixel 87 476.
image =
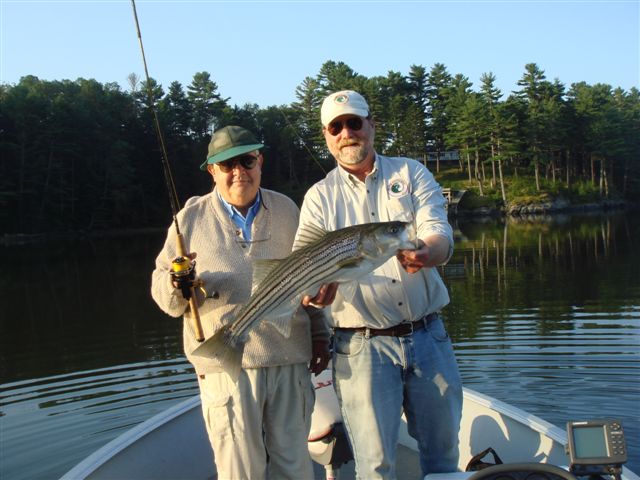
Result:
pixel 520 189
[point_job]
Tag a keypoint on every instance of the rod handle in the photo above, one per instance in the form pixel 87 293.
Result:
pixel 193 305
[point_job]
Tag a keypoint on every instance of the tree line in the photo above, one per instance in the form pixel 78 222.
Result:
pixel 84 156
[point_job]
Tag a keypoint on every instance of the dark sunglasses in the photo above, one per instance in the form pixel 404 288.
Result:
pixel 352 123
pixel 246 161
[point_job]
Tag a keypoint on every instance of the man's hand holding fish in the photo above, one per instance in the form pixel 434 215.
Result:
pixel 432 251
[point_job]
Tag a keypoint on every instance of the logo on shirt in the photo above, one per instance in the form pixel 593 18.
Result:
pixel 398 188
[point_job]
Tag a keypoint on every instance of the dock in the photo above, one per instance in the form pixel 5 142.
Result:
pixel 453 198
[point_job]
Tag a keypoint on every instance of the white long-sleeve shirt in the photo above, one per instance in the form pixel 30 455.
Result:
pixel 396 189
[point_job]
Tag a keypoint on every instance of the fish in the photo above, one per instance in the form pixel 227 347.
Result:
pixel 319 258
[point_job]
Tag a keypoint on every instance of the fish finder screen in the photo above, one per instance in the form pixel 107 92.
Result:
pixel 590 442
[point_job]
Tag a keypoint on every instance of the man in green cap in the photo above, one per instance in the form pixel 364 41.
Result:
pixel 257 425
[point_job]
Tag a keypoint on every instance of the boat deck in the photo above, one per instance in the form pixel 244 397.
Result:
pixel 407 466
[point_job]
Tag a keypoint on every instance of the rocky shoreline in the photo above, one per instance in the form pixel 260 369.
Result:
pixel 558 206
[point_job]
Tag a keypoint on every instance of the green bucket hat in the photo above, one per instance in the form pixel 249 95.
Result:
pixel 229 142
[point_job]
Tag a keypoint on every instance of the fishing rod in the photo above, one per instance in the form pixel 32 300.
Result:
pixel 181 266
pixel 304 143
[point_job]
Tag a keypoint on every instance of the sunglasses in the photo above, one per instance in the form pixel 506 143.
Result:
pixel 352 123
pixel 245 161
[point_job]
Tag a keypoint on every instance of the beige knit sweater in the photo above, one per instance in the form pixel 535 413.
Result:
pixel 224 263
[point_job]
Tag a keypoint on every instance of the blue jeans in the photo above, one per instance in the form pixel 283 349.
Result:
pixel 376 378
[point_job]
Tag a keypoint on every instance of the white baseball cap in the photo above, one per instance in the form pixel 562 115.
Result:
pixel 344 102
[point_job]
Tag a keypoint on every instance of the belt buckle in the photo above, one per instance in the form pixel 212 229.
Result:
pixel 408 334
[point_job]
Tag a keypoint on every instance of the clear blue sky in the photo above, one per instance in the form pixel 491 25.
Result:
pixel 260 51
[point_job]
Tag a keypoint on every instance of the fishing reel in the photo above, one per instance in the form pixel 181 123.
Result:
pixel 183 275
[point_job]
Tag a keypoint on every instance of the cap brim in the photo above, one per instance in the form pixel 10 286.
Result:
pixel 230 153
pixel 348 111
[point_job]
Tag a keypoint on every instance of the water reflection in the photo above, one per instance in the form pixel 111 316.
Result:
pixel 554 266
pixel 544 315
pixel 78 306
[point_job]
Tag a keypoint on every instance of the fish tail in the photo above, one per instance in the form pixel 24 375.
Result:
pixel 219 347
pixel 232 361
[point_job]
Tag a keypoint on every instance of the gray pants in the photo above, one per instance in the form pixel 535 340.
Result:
pixel 258 427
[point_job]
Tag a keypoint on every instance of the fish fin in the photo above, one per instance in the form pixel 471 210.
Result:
pixel 307 235
pixel 218 346
pixel 282 323
pixel 348 290
pixel 233 367
pixel 281 317
pixel 261 269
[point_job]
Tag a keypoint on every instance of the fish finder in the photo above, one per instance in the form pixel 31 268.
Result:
pixel 596 447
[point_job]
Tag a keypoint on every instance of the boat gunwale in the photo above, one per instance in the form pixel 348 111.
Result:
pixel 536 423
pixel 105 453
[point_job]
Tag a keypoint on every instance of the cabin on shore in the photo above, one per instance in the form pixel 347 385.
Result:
pixel 447 156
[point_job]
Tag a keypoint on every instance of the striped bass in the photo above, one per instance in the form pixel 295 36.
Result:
pixel 320 258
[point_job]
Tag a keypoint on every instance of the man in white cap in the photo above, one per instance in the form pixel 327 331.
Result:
pixel 391 352
pixel 258 425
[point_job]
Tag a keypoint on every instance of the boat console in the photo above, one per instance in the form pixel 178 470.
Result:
pixel 596 447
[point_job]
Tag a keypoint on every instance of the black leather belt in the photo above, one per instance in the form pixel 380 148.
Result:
pixel 400 330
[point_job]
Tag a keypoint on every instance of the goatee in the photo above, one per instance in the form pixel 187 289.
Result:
pixel 353 154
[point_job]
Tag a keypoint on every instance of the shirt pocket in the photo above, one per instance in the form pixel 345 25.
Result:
pixel 400 208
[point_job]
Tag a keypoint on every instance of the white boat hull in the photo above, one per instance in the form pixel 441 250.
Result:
pixel 174 444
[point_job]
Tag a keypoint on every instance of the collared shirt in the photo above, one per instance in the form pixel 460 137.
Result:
pixel 242 222
pixel 397 189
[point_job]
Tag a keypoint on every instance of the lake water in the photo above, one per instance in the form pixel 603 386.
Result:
pixel 545 315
